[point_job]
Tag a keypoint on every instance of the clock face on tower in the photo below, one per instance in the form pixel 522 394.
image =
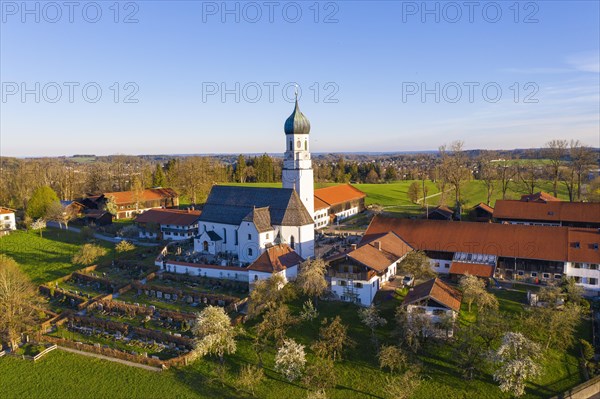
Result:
pixel 298 144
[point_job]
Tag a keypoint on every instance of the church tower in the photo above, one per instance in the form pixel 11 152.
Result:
pixel 297 167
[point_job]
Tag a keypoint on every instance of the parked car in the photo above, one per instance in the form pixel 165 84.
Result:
pixel 408 280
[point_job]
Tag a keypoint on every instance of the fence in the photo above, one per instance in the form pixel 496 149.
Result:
pixel 41 354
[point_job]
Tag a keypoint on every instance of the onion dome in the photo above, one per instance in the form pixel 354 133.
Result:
pixel 297 123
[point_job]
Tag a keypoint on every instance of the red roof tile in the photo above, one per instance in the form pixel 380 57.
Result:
pixel 474 269
pixel 338 194
pixel 552 211
pixel 128 197
pixel 541 196
pixel 437 290
pixel 276 259
pixel 177 217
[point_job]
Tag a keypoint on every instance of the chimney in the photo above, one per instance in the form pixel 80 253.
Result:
pixel 377 245
pixel 353 246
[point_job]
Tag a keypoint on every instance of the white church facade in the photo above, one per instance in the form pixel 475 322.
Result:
pixel 245 221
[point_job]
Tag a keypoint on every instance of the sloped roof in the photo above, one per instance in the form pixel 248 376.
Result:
pixel 552 211
pixel 5 211
pixel 261 217
pixel 584 245
pixel 319 204
pixel 442 210
pixel 437 290
pixel 127 197
pixel 338 194
pixel 540 196
pixel 175 217
pixel 507 240
pixel 231 204
pixel 485 207
pixel 391 248
pixel 474 269
pixel 275 259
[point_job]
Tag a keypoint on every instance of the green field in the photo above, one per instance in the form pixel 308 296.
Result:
pixel 48 257
pixel 394 196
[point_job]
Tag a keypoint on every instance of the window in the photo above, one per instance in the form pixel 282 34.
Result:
pixel 546 275
pixel 256 277
pixel 249 236
pixel 292 242
pixel 235 236
pixel 439 312
pixel 577 279
pixel 447 265
pixel 358 285
pixel 558 276
pixel 343 283
pixel 533 274
pixel 593 266
pixel 224 235
pixel 249 251
pixel 520 272
pixel 267 236
pixel 437 264
pixel 593 281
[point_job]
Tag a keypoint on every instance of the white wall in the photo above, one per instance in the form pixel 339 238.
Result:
pixel 321 218
pixel 585 272
pixel 366 293
pixel 347 213
pixel 8 221
pixel 439 265
pixel 230 274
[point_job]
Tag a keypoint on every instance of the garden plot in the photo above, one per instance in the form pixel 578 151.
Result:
pixel 184 294
pixel 143 316
pixel 108 334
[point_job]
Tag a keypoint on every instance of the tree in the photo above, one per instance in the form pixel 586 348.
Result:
pixel 554 327
pixel 88 254
pixel 402 386
pixel 40 201
pixel 506 171
pixel 215 334
pixel 333 338
pixel 250 376
pixel 392 357
pixel 391 174
pixel 413 329
pixel 311 278
pixel 290 360
pixel 268 294
pixel 110 205
pixel 516 361
pixel 469 352
pixel 276 322
pixel 454 161
pixel 124 246
pixel 38 224
pixel 158 178
pixel 320 376
pixel 582 158
pixel 556 150
pixel 528 175
pixel 18 298
pixel 573 291
pixel 372 177
pixel 370 317
pixel 240 169
pixel 309 312
pixel 413 192
pixel 593 190
pixel 61 214
pixel 487 174
pixel 471 287
pixel 416 264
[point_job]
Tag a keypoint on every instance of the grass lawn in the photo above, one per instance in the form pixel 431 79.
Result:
pixel 48 257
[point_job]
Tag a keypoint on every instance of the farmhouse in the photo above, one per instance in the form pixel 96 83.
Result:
pixel 130 203
pixel 482 213
pixel 510 251
pixel 544 211
pixel 356 275
pixel 7 221
pixel 168 224
pixel 436 301
pixel 336 203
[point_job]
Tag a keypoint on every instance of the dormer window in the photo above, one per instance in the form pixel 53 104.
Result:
pixel 595 246
pixel 576 245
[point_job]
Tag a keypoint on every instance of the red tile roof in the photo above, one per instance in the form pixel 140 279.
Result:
pixel 437 290
pixel 485 207
pixel 320 204
pixel 552 211
pixel 474 269
pixel 6 210
pixel 128 197
pixel 175 217
pixel 507 240
pixel 541 196
pixel 276 259
pixel 338 194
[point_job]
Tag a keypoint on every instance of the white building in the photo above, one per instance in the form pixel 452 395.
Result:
pixel 8 222
pixel 244 221
pixel 436 301
pixel 336 203
pixel 356 275
pixel 168 224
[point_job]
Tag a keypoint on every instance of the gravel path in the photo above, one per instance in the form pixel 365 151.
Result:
pixel 111 359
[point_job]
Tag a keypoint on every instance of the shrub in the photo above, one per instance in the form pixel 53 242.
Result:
pixel 87 233
pixel 124 246
pixel 88 254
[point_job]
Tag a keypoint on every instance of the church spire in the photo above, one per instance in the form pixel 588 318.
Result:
pixel 297 123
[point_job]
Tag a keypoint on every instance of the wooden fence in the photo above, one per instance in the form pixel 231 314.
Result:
pixel 41 354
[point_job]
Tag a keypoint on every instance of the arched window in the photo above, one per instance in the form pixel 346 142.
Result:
pixel 292 242
pixel 291 145
pixel 305 145
pixel 249 251
pixel 205 246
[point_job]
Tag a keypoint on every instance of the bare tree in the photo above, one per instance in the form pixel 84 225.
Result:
pixel 506 172
pixel 457 171
pixel 18 298
pixel 528 175
pixel 582 158
pixel 311 278
pixel 556 151
pixel 487 173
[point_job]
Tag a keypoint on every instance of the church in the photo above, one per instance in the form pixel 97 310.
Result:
pixel 246 221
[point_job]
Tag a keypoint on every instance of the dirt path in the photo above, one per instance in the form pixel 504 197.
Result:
pixel 110 359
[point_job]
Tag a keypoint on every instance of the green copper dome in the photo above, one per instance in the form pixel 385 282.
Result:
pixel 297 123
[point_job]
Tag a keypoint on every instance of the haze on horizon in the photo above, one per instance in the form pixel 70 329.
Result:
pixel 373 76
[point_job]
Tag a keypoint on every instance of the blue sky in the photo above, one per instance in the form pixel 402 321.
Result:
pixel 370 61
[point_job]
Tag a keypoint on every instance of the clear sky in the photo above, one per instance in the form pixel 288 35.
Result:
pixel 369 73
